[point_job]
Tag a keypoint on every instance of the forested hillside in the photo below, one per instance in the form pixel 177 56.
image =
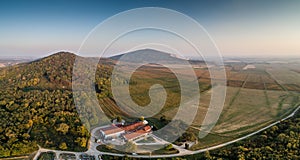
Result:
pixel 36 107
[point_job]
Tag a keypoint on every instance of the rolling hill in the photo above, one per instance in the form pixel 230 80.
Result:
pixel 36 106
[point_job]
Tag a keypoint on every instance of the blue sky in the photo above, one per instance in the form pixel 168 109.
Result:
pixel 239 28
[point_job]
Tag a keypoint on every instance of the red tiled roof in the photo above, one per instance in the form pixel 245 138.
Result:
pixel 138 133
pixel 147 128
pixel 111 130
pixel 114 129
pixel 134 135
pixel 133 126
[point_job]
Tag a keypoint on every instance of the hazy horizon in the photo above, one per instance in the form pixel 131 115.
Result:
pixel 239 28
pixel 225 57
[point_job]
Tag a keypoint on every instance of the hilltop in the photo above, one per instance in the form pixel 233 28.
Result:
pixel 51 72
pixel 147 54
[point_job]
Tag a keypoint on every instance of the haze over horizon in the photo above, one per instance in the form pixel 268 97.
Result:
pixel 239 28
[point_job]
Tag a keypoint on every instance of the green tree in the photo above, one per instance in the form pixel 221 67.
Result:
pixel 63 128
pixel 142 118
pixel 63 146
pixel 119 119
pixel 169 147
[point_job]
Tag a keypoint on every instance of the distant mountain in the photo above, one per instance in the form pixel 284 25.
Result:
pixel 10 61
pixel 148 54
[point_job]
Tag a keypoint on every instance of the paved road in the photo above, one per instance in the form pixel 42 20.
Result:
pixel 57 152
pixel 15 158
pixel 182 152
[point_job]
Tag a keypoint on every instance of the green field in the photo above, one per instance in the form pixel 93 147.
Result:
pixel 260 100
pixel 247 109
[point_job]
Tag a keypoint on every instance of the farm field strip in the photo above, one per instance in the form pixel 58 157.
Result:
pixel 265 92
pixel 239 114
pixel 284 75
